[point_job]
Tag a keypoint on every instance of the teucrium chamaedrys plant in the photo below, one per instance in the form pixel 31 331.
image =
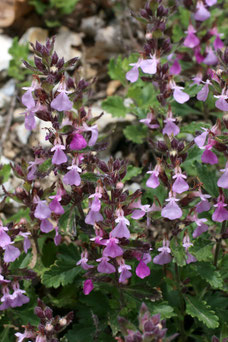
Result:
pixel 87 210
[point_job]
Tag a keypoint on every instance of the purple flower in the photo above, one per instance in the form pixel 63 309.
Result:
pixel 93 217
pixel 203 205
pixel 94 214
pixel 200 139
pixel 125 274
pixel 202 13
pixel 5 299
pixel 148 66
pixel 221 103
pixel 78 142
pixel 223 180
pixel 55 206
pixel 187 244
pixel 94 133
pixel 179 185
pixel 62 102
pixel 121 230
pixel 72 177
pixel 142 270
pixel 197 53
pixel 211 58
pixel 42 210
pixel 27 242
pixel 191 40
pixel 218 44
pixel 220 214
pixel 150 118
pixel 11 253
pixel 18 298
pixel 175 69
pixel 87 286
pixel 26 334
pixel 33 167
pixel 164 257
pixel 211 2
pixel 105 266
pixel 59 156
pixel 4 237
pixel 140 211
pixel 46 226
pixel 170 127
pixel 153 181
pixel 171 211
pixel 203 93
pixel 201 226
pixel 83 261
pixel 178 94
pixel 57 238
pixel 208 157
pixel 112 249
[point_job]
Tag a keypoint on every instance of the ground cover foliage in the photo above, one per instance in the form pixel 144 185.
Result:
pixel 89 256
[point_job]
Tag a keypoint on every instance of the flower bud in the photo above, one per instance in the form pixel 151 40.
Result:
pixel 48 312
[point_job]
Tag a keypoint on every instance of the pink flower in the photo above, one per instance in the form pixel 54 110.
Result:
pixel 164 257
pixel 121 230
pixel 94 133
pixel 218 44
pixel 211 2
pixel 223 180
pixel 178 94
pixel 203 205
pixel 203 93
pixel 175 69
pixel 105 266
pixel 202 13
pixel 94 214
pixel 125 274
pixel 11 253
pixel 148 66
pixel 61 102
pixel 142 270
pixel 208 156
pixel 83 261
pixel 187 244
pixel 153 181
pixel 27 242
pixel 55 206
pixel 59 156
pixel 112 249
pixel 179 185
pixel 191 40
pixel 42 211
pixel 33 167
pixel 200 139
pixel 78 142
pixel 87 286
pixel 197 53
pixel 150 121
pixel 171 211
pixel 18 297
pixel 57 238
pixel 220 214
pixel 201 226
pixel 170 127
pixel 140 211
pixel 221 103
pixel 211 58
pixel 5 299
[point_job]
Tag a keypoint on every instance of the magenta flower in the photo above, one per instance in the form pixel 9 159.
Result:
pixel 223 180
pixel 59 156
pixel 112 249
pixel 61 102
pixel 220 214
pixel 83 261
pixel 78 142
pixel 142 270
pixel 197 53
pixel 191 40
pixel 94 133
pixel 148 66
pixel 221 103
pixel 170 127
pixel 211 58
pixel 209 157
pixel 218 44
pixel 46 226
pixel 178 94
pixel 179 185
pixel 153 181
pixel 121 230
pixel 105 266
pixel 164 257
pixel 4 237
pixel 171 211
pixel 42 211
pixel 125 274
pixel 203 93
pixel 11 253
pixel 202 13
pixel 87 286
pixel 175 69
pixel 187 244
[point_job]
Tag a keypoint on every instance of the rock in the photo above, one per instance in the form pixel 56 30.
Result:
pixel 65 43
pixel 43 132
pixel 11 10
pixel 5 57
pixel 34 34
pixel 22 133
pixel 7 92
pixel 112 87
pixel 90 25
pixel 17 114
pixel 109 39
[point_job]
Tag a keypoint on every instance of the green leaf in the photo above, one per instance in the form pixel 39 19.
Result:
pixel 4 173
pixel 115 106
pixel 45 165
pixel 132 171
pixel 194 126
pixel 115 70
pixel 202 311
pixel 183 109
pixel 177 33
pixel 137 134
pixel 89 177
pixel 202 250
pixel 164 309
pixel 208 272
pixel 178 252
pixel 18 52
pixel 64 270
pixel 207 176
pixel 193 90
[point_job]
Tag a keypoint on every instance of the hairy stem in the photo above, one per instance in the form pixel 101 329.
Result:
pixel 218 243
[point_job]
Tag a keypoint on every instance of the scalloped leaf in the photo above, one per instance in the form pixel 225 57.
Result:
pixel 209 273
